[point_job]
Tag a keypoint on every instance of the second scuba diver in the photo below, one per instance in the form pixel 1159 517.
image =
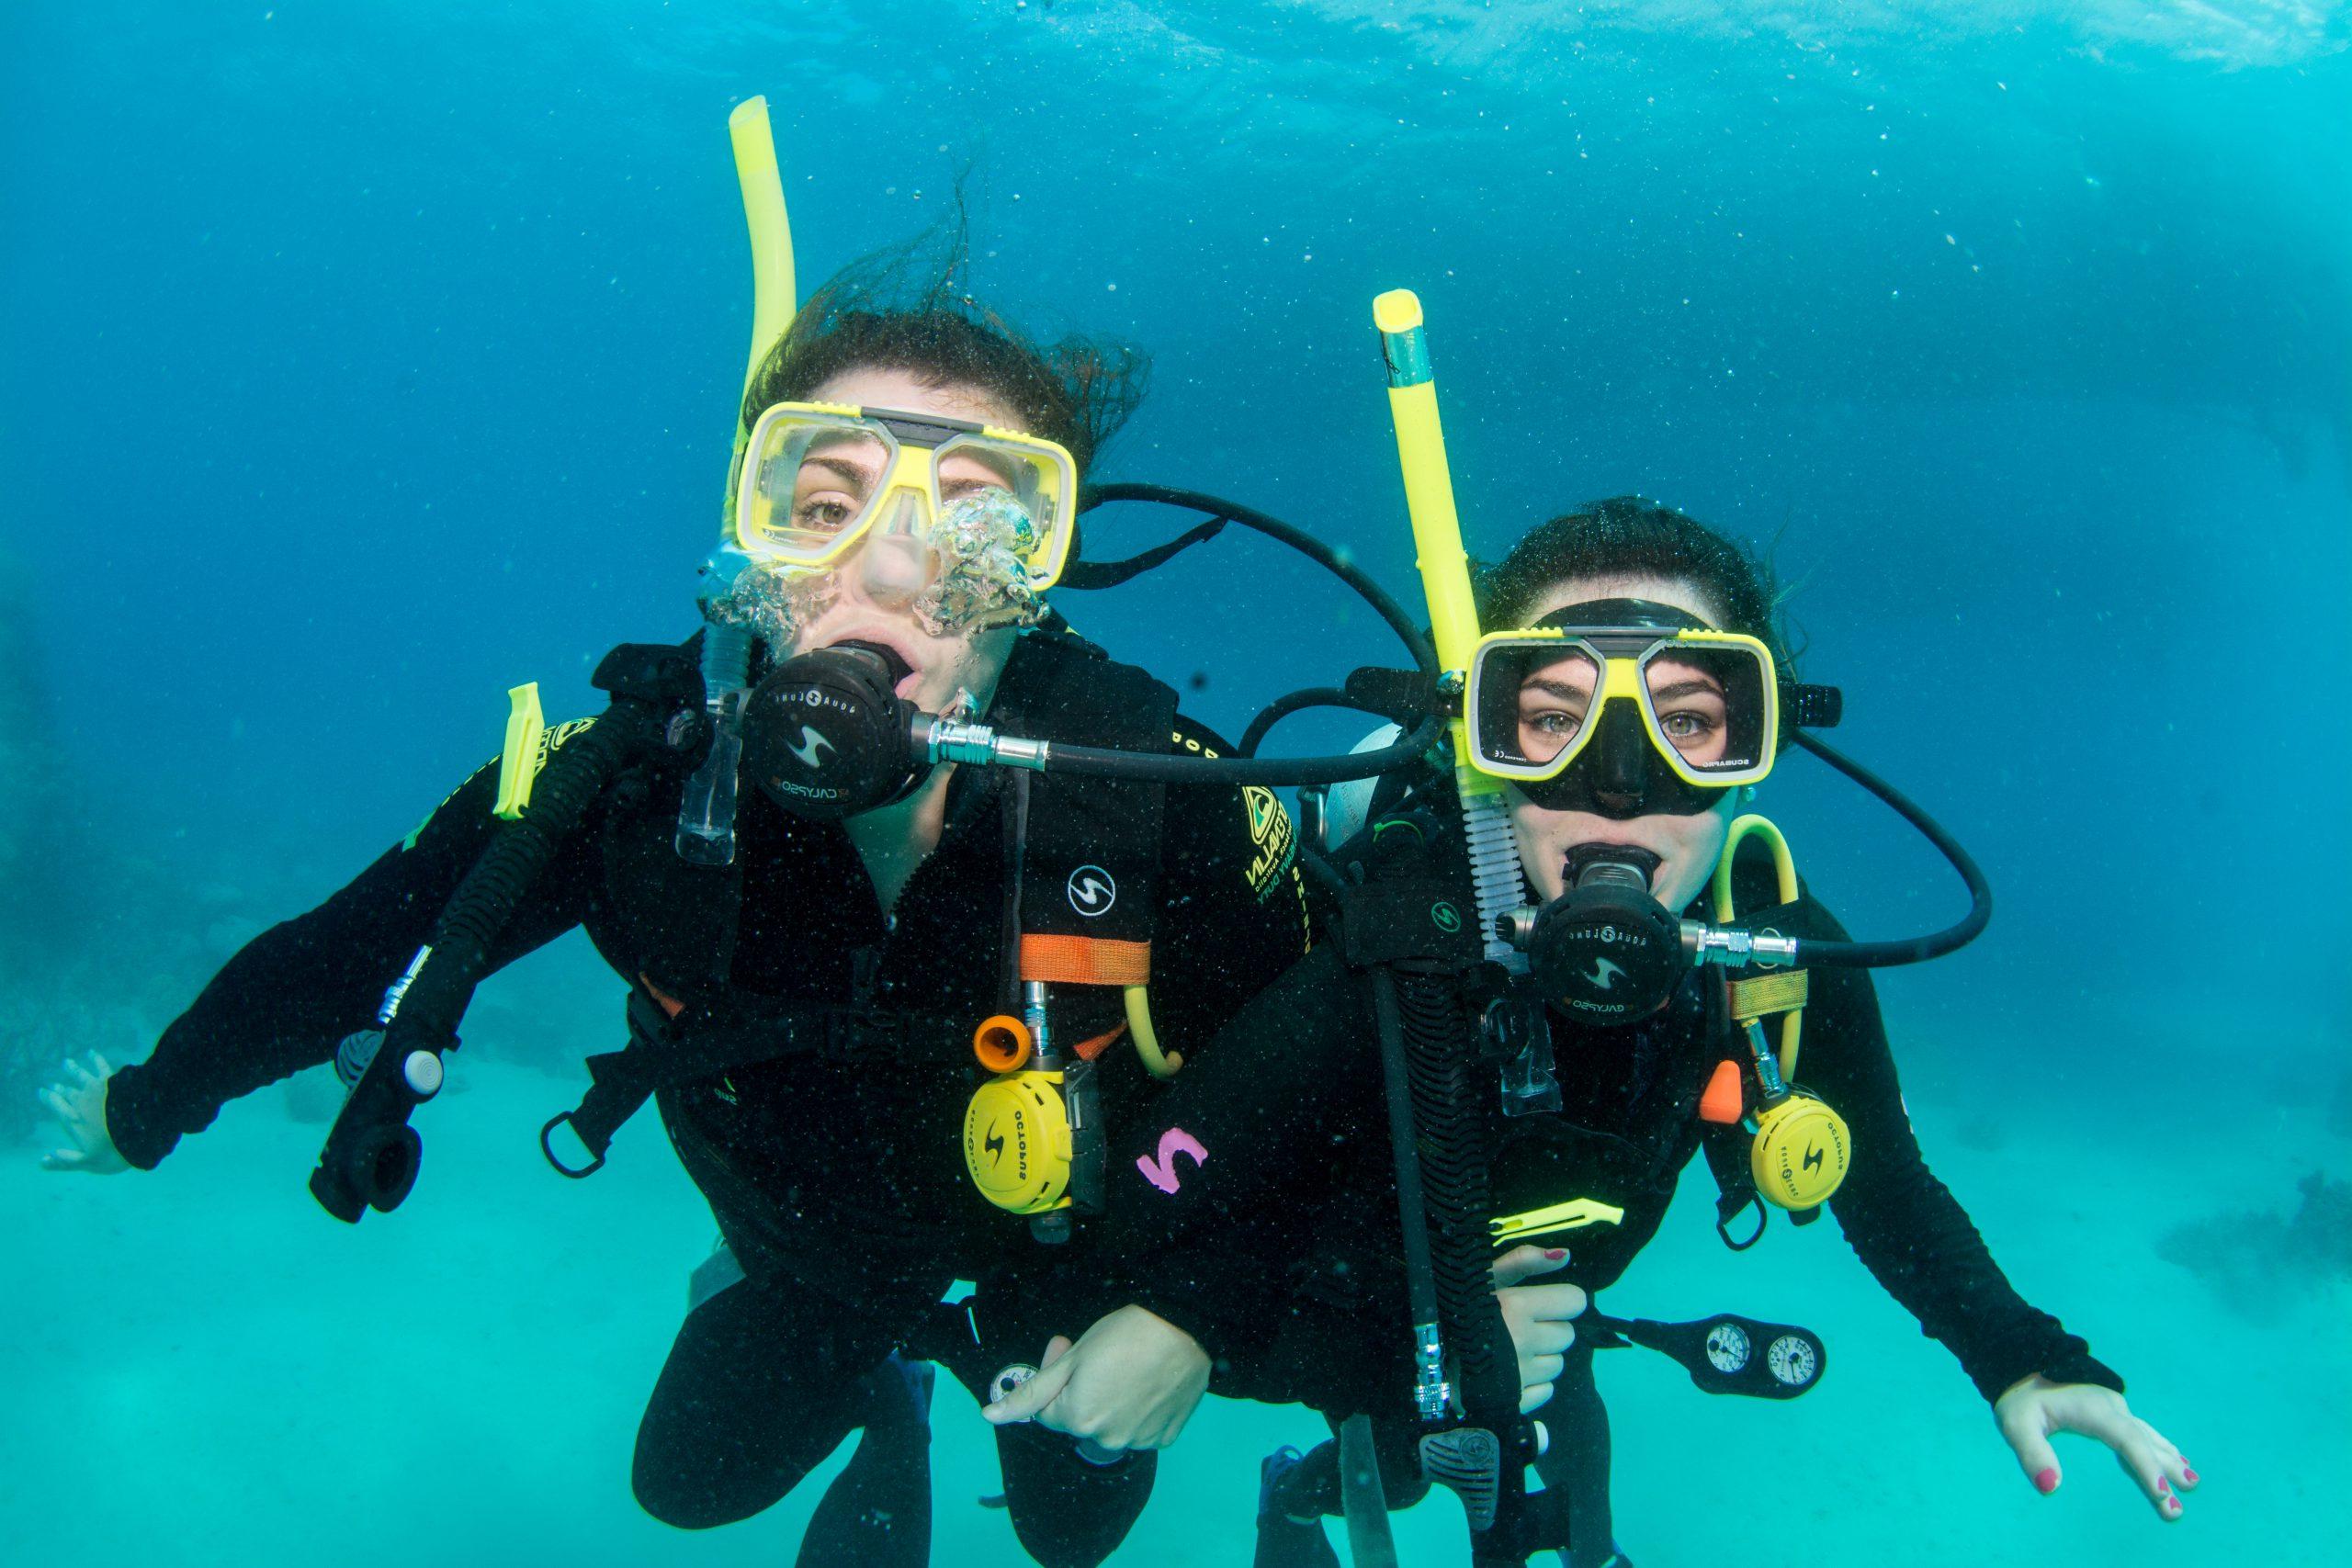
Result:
pixel 1632 716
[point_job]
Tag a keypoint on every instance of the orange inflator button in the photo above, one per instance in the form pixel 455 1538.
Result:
pixel 1002 1044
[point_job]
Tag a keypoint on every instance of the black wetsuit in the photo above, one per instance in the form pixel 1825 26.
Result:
pixel 838 1181
pixel 1304 1053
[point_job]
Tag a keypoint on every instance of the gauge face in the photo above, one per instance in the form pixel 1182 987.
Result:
pixel 1792 1360
pixel 1727 1346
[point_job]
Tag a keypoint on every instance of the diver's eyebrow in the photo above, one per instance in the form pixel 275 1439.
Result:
pixel 852 473
pixel 1691 688
pixel 1555 688
pixel 994 463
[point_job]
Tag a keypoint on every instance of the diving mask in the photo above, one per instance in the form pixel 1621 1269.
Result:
pixel 818 477
pixel 1622 707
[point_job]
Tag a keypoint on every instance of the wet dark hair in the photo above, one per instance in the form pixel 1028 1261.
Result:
pixel 902 309
pixel 1631 535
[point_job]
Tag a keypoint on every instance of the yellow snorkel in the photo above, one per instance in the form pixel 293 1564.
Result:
pixel 774 299
pixel 706 816
pixel 1453 614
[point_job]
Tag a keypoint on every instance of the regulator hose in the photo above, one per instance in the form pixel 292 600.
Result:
pixel 1907 949
pixel 371 1154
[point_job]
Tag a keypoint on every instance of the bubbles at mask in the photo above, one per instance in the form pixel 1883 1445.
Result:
pixel 773 602
pixel 981 579
pixel 980 546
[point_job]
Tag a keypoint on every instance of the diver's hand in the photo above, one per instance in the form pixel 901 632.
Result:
pixel 78 1100
pixel 2032 1410
pixel 1131 1382
pixel 1538 1317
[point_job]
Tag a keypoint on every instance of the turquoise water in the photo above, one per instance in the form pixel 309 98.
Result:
pixel 358 363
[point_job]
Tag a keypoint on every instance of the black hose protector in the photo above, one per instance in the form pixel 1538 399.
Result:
pixel 576 775
pixel 1442 1056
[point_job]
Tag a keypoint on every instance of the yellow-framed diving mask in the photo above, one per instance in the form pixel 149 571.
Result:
pixel 1663 712
pixel 818 477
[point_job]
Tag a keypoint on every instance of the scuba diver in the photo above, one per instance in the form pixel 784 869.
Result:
pixel 894 1000
pixel 1628 995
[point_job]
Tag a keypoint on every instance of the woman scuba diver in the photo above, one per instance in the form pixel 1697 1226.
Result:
pixel 809 965
pixel 1631 720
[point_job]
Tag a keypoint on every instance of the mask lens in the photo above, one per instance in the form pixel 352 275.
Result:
pixel 811 482
pixel 1711 705
pixel 983 469
pixel 1534 704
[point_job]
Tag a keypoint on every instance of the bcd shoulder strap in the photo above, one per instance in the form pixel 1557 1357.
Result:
pixel 1088 874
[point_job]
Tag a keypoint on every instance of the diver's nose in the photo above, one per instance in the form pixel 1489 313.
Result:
pixel 1617 805
pixel 894 565
pixel 1621 769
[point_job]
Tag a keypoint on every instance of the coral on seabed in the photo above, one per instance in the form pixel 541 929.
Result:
pixel 2262 1261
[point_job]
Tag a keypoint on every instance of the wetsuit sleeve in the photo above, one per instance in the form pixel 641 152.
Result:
pixel 1233 919
pixel 1248 1168
pixel 290 995
pixel 1903 1223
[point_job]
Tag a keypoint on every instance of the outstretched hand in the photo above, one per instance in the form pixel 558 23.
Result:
pixel 2035 1409
pixel 1131 1382
pixel 1538 1317
pixel 78 1100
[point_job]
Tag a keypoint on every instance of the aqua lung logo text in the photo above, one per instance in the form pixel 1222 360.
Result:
pixel 1092 891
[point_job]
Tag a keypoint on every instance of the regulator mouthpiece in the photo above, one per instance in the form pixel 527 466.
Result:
pixel 826 734
pixel 1605 951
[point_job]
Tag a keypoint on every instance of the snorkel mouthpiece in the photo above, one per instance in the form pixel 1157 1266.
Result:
pixel 827 735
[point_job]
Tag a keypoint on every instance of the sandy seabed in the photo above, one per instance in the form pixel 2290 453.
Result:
pixel 201 1368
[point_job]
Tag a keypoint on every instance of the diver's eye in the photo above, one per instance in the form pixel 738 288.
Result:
pixel 1682 727
pixel 1546 732
pixel 824 513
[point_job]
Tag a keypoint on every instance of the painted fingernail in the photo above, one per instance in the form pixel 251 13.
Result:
pixel 2189 1475
pixel 2163 1485
pixel 2172 1505
pixel 1555 1253
pixel 2047 1482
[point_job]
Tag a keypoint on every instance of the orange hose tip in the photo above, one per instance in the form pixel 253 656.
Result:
pixel 1002 1044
